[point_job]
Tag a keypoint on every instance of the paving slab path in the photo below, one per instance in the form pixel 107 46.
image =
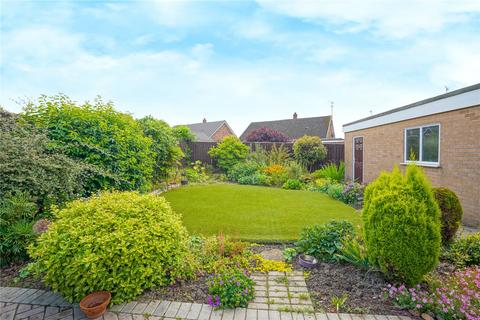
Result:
pixel 279 296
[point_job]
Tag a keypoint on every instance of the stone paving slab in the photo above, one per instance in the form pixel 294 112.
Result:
pixel 33 304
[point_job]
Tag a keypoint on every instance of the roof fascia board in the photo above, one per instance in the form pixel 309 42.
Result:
pixel 460 101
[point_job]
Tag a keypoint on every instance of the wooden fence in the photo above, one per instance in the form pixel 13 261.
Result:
pixel 199 151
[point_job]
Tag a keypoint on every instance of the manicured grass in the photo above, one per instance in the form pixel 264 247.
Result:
pixel 254 213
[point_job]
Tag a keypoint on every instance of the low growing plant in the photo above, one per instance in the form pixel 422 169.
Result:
pixel 339 302
pixel 17 214
pixel 265 266
pixel 464 251
pixel 293 184
pixel 331 172
pixel 323 241
pixel 458 296
pixel 230 288
pixel 289 254
pixel 353 251
pixel 122 242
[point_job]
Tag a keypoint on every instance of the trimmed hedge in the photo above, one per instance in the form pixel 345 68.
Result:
pixel 451 210
pixel 121 242
pixel 402 225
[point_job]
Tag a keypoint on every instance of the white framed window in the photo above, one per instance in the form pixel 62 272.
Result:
pixel 422 145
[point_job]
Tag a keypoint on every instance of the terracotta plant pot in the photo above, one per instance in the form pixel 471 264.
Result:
pixel 307 261
pixel 95 304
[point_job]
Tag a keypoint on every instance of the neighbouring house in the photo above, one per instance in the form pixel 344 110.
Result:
pixel 210 131
pixel 441 134
pixel 296 127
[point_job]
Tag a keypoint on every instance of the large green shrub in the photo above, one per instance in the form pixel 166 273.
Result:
pixel 451 210
pixel 121 242
pixel 229 152
pixel 96 134
pixel 308 150
pixel 17 213
pixel 29 165
pixel 165 146
pixel 323 241
pixel 402 224
pixel 464 252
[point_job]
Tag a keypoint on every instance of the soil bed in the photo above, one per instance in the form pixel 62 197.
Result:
pixel 364 289
pixel 193 290
pixel 9 277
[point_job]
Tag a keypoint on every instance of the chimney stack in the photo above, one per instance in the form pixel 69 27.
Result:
pixel 204 120
pixel 295 115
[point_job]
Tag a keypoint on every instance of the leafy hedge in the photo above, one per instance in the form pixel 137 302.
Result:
pixel 96 134
pixel 121 242
pixel 29 165
pixel 402 225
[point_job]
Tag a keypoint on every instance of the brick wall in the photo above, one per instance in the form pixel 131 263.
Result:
pixel 222 132
pixel 459 154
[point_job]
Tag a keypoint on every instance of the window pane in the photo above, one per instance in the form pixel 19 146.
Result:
pixel 413 144
pixel 430 144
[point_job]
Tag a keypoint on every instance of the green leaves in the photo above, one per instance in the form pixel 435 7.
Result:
pixel 229 152
pixel 308 150
pixel 121 242
pixel 323 241
pixel 402 225
pixel 111 142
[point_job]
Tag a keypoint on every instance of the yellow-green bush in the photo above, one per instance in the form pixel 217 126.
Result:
pixel 122 242
pixel 402 225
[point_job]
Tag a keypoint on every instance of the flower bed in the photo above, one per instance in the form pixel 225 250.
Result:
pixel 456 296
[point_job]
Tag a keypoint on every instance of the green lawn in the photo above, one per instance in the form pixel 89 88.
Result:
pixel 254 213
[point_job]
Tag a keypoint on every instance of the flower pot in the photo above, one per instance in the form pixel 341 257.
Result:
pixel 95 304
pixel 307 261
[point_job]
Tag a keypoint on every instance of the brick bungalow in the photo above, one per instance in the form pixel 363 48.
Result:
pixel 441 133
pixel 210 131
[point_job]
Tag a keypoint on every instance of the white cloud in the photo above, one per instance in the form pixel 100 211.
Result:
pixel 391 18
pixel 202 51
pixel 461 66
pixel 181 87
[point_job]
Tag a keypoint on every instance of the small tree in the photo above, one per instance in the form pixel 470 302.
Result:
pixel 229 152
pixel 265 134
pixel 402 225
pixel 308 150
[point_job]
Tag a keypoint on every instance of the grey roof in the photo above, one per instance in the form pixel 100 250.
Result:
pixel 419 103
pixel 203 131
pixel 294 128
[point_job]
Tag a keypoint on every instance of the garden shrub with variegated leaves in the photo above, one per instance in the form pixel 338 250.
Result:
pixel 122 242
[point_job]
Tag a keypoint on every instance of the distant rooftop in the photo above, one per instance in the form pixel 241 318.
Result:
pixel 294 128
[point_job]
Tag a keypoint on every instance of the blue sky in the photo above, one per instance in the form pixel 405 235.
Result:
pixel 236 60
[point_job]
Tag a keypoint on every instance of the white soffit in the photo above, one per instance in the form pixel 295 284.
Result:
pixel 459 101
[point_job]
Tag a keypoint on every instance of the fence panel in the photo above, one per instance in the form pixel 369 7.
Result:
pixel 335 151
